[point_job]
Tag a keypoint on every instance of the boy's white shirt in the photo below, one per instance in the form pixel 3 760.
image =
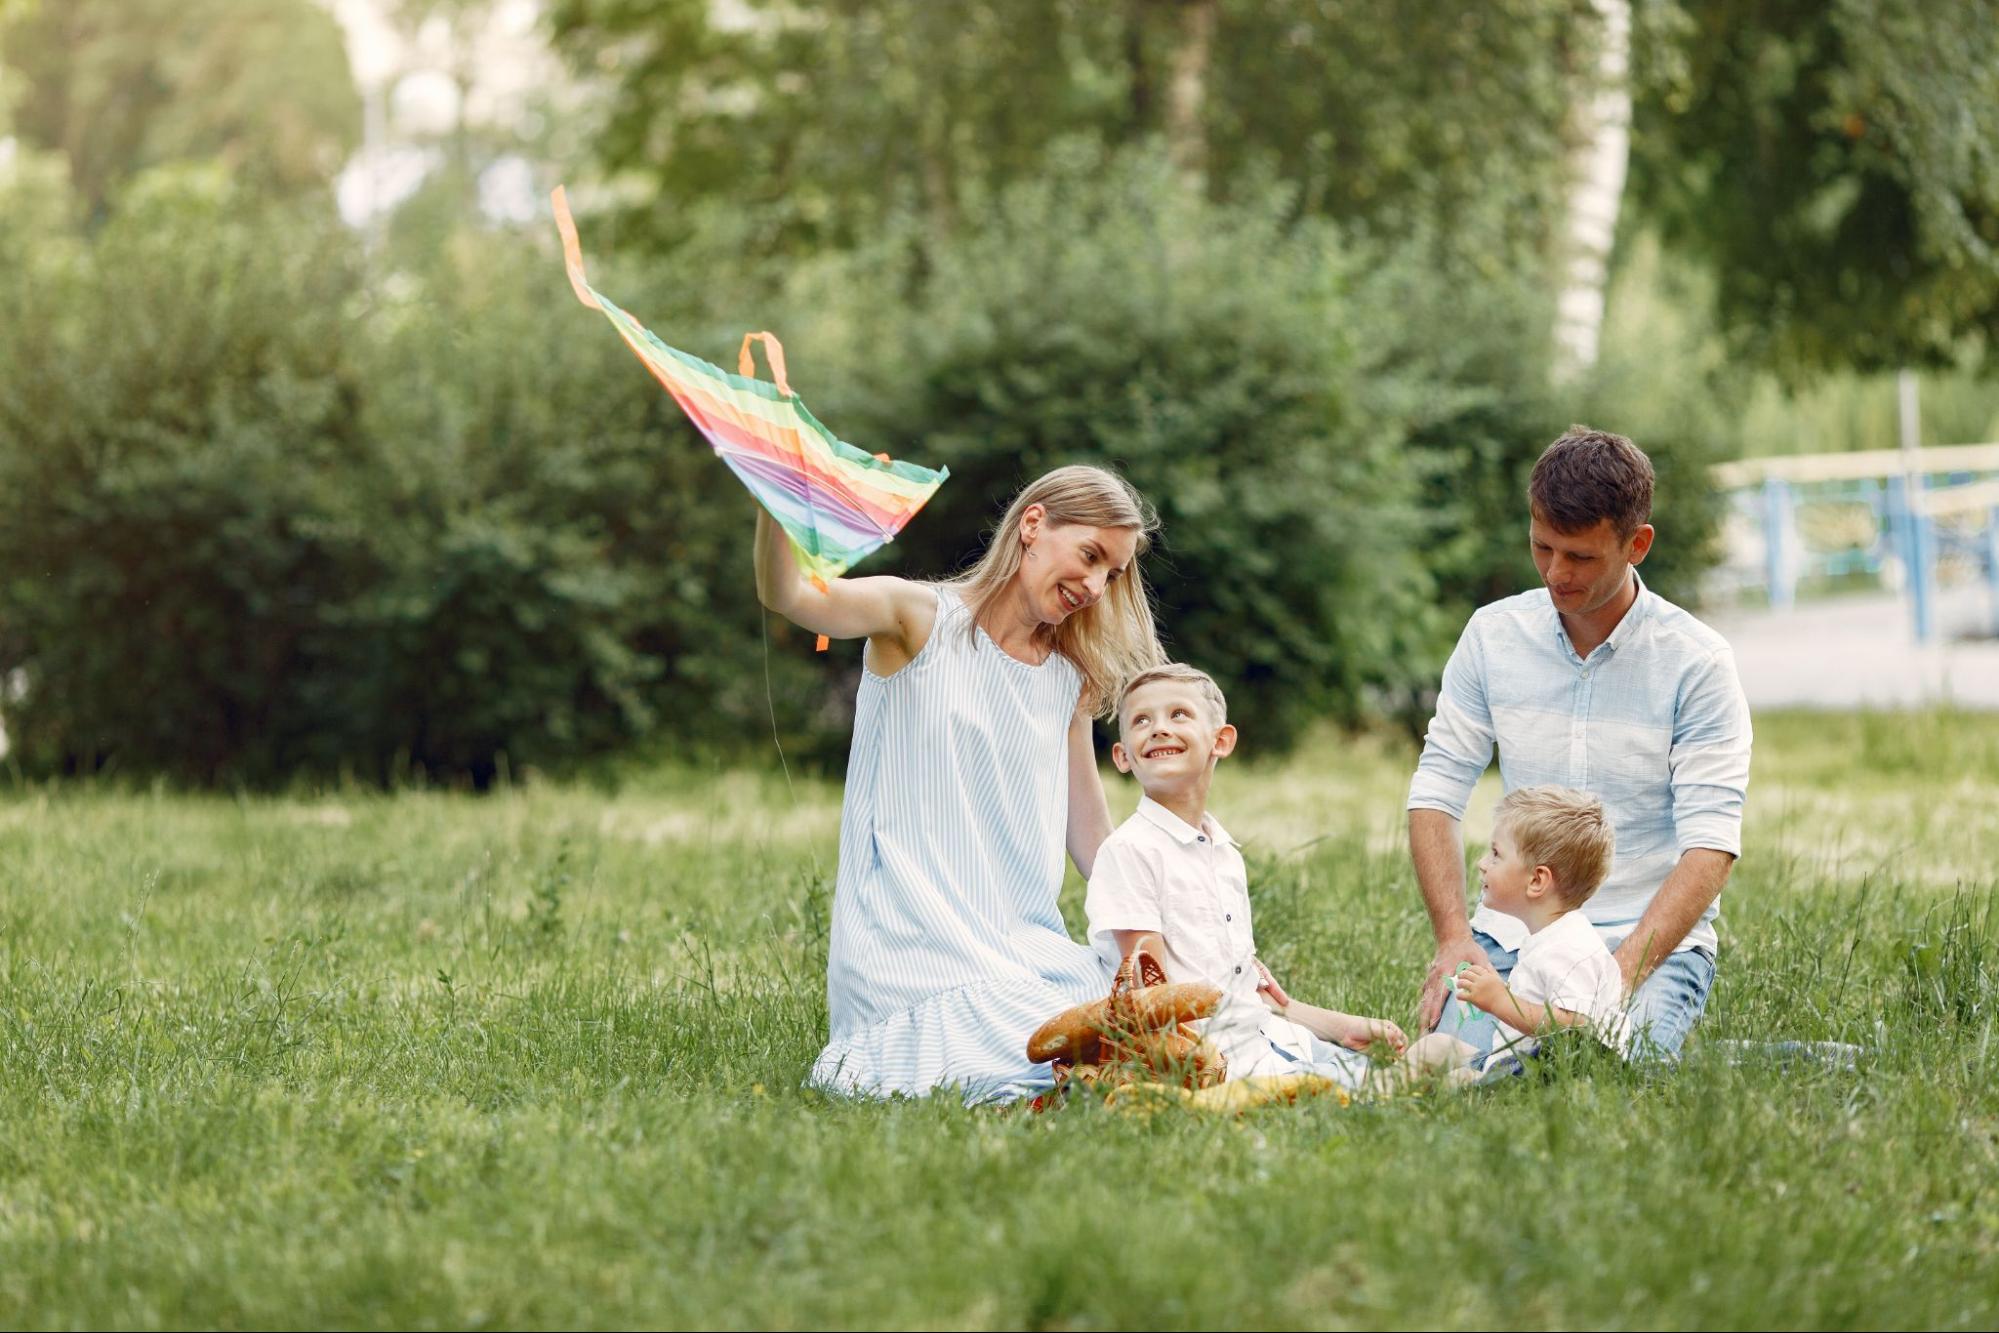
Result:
pixel 1157 872
pixel 1566 964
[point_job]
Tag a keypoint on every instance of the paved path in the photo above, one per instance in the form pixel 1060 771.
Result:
pixel 1846 652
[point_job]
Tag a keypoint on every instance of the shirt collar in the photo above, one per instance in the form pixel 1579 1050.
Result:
pixel 1641 606
pixel 1571 922
pixel 1183 832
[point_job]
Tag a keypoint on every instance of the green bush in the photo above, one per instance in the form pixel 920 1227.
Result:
pixel 259 515
pixel 1102 314
pixel 272 502
pixel 176 413
pixel 569 566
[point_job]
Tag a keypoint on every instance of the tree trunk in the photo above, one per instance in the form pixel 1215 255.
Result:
pixel 1602 150
pixel 1186 125
pixel 940 194
pixel 1134 54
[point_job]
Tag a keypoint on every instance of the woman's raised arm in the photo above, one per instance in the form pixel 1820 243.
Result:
pixel 895 612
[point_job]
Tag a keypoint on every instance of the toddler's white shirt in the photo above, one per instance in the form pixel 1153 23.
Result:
pixel 1566 964
pixel 1157 872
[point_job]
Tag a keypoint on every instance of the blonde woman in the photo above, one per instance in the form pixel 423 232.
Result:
pixel 971 770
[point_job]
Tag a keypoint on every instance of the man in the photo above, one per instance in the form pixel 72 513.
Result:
pixel 1591 682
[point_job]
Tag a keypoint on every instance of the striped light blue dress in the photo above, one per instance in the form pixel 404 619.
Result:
pixel 947 949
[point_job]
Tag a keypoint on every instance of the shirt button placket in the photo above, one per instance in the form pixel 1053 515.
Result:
pixel 1579 733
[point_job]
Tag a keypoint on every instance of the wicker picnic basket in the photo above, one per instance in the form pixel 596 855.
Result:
pixel 1140 1032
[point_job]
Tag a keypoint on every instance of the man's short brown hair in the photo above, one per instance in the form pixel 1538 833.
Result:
pixel 1564 830
pixel 1204 684
pixel 1591 475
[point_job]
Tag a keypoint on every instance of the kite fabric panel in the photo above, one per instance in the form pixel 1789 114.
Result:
pixel 836 502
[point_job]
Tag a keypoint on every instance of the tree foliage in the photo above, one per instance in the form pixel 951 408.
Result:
pixel 1837 164
pixel 825 120
pixel 1404 115
pixel 1210 352
pixel 275 499
pixel 120 85
pixel 822 121
pixel 256 518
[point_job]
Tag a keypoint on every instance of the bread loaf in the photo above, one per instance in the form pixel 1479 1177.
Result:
pixel 1073 1035
pixel 1162 1006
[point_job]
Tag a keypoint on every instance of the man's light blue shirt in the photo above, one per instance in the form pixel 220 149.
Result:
pixel 1652 723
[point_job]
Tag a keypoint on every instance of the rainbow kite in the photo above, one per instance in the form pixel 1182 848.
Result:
pixel 837 503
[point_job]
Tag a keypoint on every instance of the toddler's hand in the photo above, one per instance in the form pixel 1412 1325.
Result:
pixel 1481 986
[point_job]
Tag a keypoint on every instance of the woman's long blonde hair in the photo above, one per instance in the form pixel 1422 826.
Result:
pixel 1109 641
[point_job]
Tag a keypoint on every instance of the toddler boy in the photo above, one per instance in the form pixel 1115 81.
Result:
pixel 1551 848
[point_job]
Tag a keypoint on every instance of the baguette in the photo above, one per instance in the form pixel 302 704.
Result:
pixel 1156 1007
pixel 1074 1035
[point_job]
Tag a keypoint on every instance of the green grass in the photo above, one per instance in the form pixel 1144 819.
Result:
pixel 534 1059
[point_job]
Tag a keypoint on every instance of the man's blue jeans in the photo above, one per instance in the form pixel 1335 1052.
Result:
pixel 1662 1013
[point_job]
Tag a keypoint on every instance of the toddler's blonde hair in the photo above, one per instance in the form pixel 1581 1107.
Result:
pixel 1564 830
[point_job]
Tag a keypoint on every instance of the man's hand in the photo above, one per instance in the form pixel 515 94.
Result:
pixel 1437 984
pixel 1481 985
pixel 1628 963
pixel 1272 993
pixel 1357 1033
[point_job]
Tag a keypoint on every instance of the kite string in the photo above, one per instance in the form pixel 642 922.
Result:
pixel 770 702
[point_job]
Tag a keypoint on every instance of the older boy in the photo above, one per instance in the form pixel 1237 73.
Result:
pixel 1171 878
pixel 1592 682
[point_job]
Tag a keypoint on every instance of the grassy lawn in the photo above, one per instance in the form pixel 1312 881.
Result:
pixel 435 1060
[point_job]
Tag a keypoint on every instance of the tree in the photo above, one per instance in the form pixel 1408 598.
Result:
pixel 119 85
pixel 510 111
pixel 1187 90
pixel 1601 125
pixel 820 120
pixel 1837 164
pixel 1446 117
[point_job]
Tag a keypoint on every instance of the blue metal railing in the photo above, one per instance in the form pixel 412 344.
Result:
pixel 1902 508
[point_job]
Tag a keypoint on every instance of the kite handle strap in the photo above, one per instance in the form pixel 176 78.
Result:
pixel 746 363
pixel 820 644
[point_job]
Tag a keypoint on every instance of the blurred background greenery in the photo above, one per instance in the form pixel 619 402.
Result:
pixel 310 465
